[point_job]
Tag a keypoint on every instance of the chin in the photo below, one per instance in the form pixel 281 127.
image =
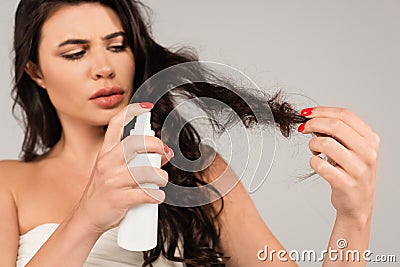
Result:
pixel 102 117
pixel 105 116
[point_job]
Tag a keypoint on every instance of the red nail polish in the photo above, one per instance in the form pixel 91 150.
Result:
pixel 301 127
pixel 306 111
pixel 147 105
pixel 166 149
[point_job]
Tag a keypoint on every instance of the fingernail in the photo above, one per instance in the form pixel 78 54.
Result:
pixel 147 105
pixel 306 111
pixel 301 127
pixel 166 149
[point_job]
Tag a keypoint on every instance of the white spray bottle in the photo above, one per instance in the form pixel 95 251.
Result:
pixel 138 230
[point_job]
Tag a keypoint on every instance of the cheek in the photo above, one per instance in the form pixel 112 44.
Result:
pixel 61 81
pixel 126 73
pixel 127 67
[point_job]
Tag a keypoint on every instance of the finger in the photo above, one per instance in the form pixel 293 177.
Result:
pixel 335 176
pixel 137 196
pixel 338 153
pixel 115 126
pixel 346 116
pixel 135 144
pixel 339 130
pixel 131 177
pixel 148 174
pixel 129 148
pixel 167 157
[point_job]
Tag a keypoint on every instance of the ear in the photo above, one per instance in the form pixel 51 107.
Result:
pixel 33 70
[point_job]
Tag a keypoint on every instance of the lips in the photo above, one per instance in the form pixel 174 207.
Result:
pixel 104 92
pixel 108 98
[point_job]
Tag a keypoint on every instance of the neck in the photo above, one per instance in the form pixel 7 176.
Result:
pixel 79 144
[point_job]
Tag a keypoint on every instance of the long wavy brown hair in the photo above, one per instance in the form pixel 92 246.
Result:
pixel 196 227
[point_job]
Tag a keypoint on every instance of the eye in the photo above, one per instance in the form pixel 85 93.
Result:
pixel 118 48
pixel 75 56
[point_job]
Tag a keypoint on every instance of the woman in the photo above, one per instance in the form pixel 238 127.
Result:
pixel 77 64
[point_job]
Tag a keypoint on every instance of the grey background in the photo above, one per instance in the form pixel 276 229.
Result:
pixel 334 53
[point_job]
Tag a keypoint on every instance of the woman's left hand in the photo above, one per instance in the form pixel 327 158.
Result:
pixel 353 146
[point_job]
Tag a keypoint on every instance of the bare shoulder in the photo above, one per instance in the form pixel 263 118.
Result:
pixel 11 172
pixel 215 167
pixel 11 164
pixel 14 176
pixel 235 197
pixel 223 177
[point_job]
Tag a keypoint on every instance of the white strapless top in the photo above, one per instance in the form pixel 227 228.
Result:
pixel 105 253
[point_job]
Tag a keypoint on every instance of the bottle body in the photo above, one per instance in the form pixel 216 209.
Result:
pixel 138 230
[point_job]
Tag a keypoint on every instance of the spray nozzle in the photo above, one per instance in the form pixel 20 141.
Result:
pixel 142 125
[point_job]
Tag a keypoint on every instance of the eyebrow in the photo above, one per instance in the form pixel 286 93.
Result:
pixel 84 41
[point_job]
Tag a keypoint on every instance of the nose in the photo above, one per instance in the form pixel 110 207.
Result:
pixel 102 67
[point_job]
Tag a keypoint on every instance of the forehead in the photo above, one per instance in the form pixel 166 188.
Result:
pixel 89 20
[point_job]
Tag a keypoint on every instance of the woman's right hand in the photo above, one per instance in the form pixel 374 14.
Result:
pixel 112 190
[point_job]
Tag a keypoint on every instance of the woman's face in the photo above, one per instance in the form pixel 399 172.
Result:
pixel 85 64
